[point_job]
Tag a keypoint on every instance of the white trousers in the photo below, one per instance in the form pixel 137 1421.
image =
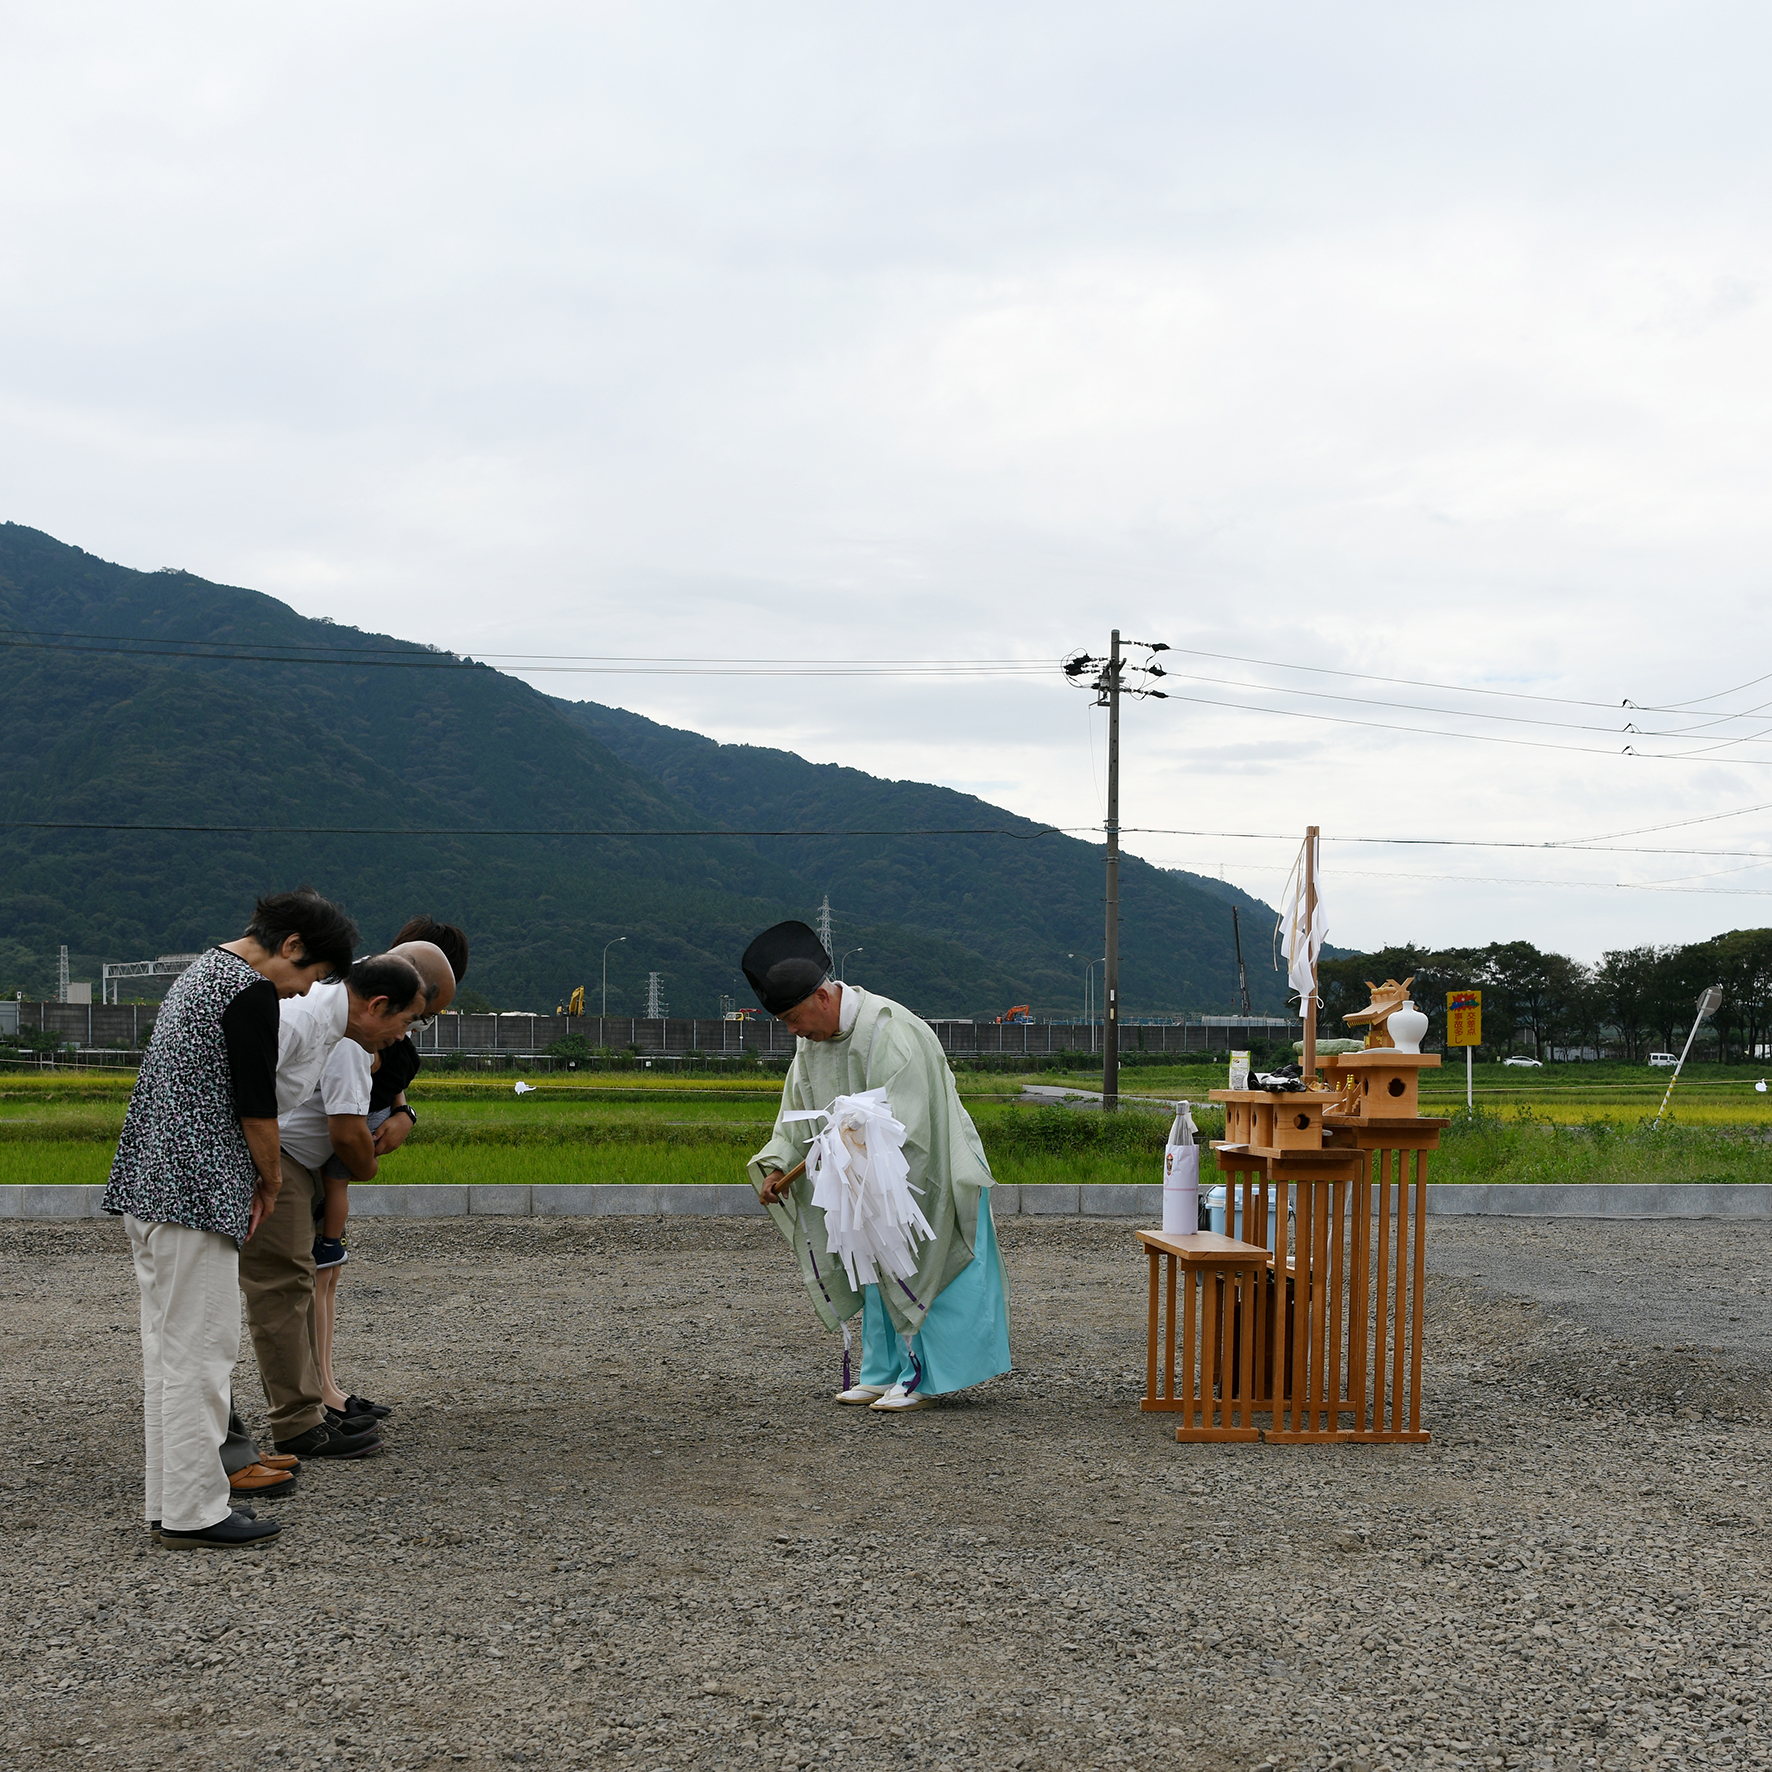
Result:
pixel 190 1287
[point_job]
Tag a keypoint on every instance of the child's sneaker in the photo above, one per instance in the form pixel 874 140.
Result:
pixel 330 1252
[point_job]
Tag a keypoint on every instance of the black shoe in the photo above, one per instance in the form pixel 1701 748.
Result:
pixel 348 1422
pixel 325 1441
pixel 229 1534
pixel 154 1525
pixel 363 1406
pixel 330 1252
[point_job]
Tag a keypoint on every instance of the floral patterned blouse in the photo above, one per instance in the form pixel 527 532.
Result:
pixel 182 1158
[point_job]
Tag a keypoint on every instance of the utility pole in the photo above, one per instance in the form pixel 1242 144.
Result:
pixel 1110 989
pixel 655 1005
pixel 1108 682
pixel 1242 976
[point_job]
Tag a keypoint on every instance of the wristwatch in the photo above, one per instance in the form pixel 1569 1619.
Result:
pixel 410 1113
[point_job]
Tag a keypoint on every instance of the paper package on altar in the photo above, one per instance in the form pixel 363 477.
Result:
pixel 861 1182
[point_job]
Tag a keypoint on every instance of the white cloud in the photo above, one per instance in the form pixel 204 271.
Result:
pixel 1380 338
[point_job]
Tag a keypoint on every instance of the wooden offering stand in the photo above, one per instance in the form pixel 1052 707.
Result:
pixel 1314 1315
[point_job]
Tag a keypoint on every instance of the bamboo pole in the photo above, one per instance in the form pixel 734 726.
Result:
pixel 1310 917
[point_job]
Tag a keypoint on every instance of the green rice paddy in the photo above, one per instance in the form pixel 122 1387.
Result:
pixel 1564 1123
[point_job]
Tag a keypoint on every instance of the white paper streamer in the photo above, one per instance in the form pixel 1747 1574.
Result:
pixel 862 1184
pixel 1300 943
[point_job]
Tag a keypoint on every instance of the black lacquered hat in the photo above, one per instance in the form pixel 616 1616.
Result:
pixel 786 965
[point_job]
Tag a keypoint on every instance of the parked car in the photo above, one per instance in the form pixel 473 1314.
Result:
pixel 1662 1061
pixel 1536 1064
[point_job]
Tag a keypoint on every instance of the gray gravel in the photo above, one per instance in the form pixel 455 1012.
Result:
pixel 621 1526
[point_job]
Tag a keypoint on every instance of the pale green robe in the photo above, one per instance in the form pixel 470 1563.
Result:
pixel 887 1048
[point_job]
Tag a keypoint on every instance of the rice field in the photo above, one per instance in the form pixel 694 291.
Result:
pixel 1566 1123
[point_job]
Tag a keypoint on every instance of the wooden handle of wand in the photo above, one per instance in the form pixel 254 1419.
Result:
pixel 792 1175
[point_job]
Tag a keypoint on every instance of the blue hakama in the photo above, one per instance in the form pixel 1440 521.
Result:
pixel 965 1335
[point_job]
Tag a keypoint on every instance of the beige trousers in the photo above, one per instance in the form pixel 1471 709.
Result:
pixel 189 1282
pixel 277 1277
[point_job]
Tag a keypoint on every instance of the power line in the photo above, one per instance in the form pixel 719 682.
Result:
pixel 1571 847
pixel 299 830
pixel 1678 824
pixel 419 656
pixel 1533 744
pixel 417 652
pixel 1688 705
pixel 423 659
pixel 1517 880
pixel 1076 830
pixel 411 648
pixel 1450 713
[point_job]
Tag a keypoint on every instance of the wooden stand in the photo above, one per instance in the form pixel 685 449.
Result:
pixel 1332 1191
pixel 1222 1284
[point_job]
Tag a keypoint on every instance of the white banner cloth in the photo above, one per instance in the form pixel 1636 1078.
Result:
pixel 1299 945
pixel 862 1184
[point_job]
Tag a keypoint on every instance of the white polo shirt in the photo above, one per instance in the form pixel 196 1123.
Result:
pixel 343 1088
pixel 309 1027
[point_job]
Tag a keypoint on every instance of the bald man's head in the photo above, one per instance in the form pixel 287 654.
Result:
pixel 432 965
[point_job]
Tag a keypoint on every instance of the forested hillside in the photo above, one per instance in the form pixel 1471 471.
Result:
pixel 306 723
pixel 1023 903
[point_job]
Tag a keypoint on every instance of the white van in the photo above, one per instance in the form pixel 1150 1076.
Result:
pixel 1662 1061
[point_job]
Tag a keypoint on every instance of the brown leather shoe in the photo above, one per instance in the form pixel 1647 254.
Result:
pixel 280 1461
pixel 259 1480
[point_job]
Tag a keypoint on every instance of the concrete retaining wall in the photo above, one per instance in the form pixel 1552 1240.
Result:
pixel 1088 1200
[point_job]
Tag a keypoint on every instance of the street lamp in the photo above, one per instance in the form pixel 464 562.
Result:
pixel 846 953
pixel 1089 994
pixel 1088 997
pixel 605 1009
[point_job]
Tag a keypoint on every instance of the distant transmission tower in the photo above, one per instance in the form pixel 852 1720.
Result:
pixel 61 983
pixel 824 923
pixel 655 1004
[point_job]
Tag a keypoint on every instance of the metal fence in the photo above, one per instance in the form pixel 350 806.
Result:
pixel 123 1026
pixel 656 1036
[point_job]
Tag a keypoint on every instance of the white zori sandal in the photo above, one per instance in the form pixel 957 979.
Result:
pixel 898 1399
pixel 861 1393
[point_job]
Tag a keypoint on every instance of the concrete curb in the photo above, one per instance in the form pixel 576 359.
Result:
pixel 1734 1200
pixel 1648 1199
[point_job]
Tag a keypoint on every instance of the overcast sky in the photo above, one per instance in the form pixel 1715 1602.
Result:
pixel 1432 343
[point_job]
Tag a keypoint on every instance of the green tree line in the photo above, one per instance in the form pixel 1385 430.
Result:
pixel 1635 1001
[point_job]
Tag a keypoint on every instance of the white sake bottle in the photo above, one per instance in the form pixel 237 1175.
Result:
pixel 1181 1174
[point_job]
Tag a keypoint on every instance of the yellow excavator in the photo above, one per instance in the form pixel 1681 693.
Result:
pixel 575 1004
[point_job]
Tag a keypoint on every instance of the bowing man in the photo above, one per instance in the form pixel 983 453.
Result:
pixel 945 1327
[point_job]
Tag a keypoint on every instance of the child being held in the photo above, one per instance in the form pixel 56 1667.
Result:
pixel 329 1246
pixel 389 1071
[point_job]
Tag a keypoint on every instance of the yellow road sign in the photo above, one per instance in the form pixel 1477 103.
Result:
pixel 1464 1018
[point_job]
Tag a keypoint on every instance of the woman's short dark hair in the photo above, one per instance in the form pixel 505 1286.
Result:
pixel 451 940
pixel 387 975
pixel 326 933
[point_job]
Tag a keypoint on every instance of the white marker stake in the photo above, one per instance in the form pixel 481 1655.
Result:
pixel 1708 1005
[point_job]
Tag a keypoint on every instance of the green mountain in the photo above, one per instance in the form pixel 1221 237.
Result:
pixel 1023 903
pixel 105 718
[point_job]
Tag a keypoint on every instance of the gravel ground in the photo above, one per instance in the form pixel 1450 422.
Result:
pixel 620 1525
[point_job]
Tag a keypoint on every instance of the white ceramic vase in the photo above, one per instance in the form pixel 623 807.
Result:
pixel 1407 1025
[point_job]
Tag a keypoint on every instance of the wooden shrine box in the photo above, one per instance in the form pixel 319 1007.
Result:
pixel 1266 1123
pixel 1389 1082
